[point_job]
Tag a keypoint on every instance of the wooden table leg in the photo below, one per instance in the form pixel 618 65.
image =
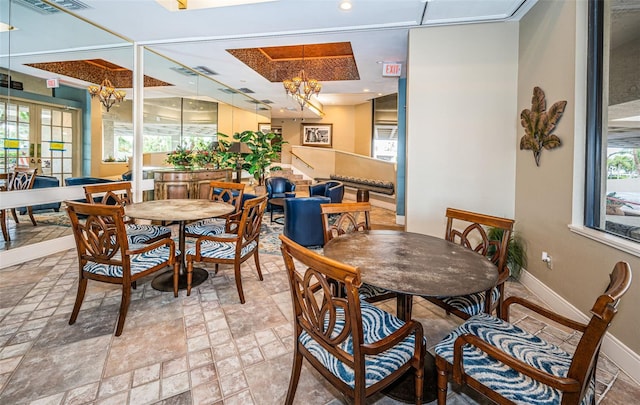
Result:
pixel 404 305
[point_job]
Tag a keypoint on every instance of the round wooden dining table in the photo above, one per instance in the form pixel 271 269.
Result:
pixel 181 211
pixel 413 264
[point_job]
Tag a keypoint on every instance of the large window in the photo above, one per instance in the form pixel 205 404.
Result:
pixel 168 122
pixel 613 119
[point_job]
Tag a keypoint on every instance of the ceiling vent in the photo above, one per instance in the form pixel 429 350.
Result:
pixel 44 8
pixel 267 101
pixel 246 90
pixel 228 90
pixel 204 70
pixel 183 71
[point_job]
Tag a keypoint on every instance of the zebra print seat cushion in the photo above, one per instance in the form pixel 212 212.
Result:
pixel 471 304
pixel 141 233
pixel 222 250
pixel 139 262
pixel 521 345
pixel 376 325
pixel 206 227
pixel 367 291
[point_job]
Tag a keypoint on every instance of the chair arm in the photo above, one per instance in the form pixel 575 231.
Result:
pixel 563 384
pixel 233 222
pixel 317 189
pixel 541 311
pixel 396 337
pixel 162 242
pixel 206 238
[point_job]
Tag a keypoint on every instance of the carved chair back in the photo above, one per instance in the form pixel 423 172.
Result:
pixel 343 218
pixel 469 229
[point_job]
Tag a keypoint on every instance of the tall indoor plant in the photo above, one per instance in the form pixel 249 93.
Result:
pixel 264 149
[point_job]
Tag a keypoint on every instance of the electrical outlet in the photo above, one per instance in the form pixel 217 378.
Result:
pixel 547 260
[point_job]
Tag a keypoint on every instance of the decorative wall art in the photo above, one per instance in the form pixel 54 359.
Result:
pixel 538 124
pixel 317 135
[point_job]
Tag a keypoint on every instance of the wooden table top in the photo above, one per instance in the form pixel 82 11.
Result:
pixel 415 264
pixel 177 209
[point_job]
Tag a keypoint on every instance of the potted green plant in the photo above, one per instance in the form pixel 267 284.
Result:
pixel 516 251
pixel 263 151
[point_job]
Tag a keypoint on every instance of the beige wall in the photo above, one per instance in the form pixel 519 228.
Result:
pixel 461 122
pixel 363 129
pixel 351 126
pixel 553 58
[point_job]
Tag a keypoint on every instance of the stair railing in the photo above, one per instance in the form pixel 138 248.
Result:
pixel 302 160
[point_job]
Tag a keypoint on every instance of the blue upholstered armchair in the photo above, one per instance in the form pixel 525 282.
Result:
pixel 279 187
pixel 331 189
pixel 303 220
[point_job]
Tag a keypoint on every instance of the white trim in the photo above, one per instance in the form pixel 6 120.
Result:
pixel 627 246
pixel 626 359
pixel 18 255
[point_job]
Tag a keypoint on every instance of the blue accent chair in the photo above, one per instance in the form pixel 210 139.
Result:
pixel 43 182
pixel 279 187
pixel 303 220
pixel 331 189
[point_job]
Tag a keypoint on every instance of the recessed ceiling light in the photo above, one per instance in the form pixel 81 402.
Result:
pixel 345 5
pixel 366 90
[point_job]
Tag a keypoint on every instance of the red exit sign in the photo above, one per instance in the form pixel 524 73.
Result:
pixel 391 69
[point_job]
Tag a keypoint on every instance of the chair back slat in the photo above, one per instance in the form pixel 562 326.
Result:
pixel 118 193
pixel 469 229
pixel 228 192
pixel 21 179
pixel 342 218
pixel 101 237
pixel 251 221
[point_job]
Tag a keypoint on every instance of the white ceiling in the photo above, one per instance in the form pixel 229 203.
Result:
pixel 377 30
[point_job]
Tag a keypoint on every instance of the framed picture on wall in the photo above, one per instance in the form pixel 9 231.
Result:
pixel 317 135
pixel 265 128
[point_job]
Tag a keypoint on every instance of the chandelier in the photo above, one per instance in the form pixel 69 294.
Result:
pixel 301 87
pixel 107 93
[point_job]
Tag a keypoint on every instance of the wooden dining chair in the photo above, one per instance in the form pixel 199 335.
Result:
pixel 512 366
pixel 105 254
pixel 343 218
pixel 231 248
pixel 119 193
pixel 357 347
pixel 22 179
pixel 228 192
pixel 469 229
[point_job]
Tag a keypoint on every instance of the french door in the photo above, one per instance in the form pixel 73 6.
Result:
pixel 37 136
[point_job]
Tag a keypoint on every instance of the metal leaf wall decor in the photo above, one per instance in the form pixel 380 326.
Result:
pixel 538 124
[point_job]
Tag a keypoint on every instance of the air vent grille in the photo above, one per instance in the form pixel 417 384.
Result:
pixel 183 71
pixel 204 70
pixel 44 8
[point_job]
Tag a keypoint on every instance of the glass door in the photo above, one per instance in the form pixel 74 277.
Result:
pixel 37 136
pixel 55 146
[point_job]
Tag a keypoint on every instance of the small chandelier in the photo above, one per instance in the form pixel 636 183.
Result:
pixel 107 93
pixel 302 87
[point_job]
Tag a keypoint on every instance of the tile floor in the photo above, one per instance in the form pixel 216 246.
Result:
pixel 202 349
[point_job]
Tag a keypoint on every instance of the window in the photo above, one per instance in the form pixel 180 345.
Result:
pixel 385 127
pixel 168 122
pixel 613 119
